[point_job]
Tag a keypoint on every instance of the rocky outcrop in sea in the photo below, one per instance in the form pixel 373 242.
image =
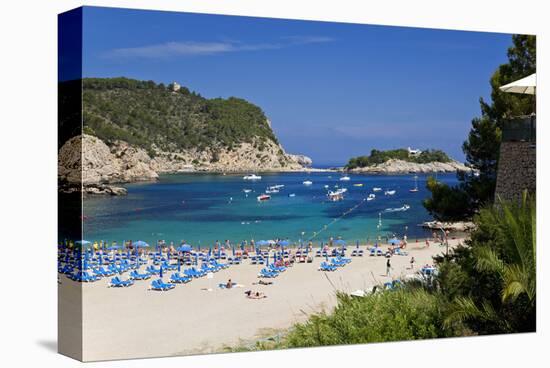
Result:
pixel 394 166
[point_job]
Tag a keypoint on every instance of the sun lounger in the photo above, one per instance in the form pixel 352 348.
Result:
pixel 400 252
pixel 179 279
pixel 159 285
pixel 134 275
pixel 327 267
pixel 153 270
pixel 265 273
pixel 117 282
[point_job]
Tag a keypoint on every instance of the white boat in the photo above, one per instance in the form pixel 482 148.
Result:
pixel 292 195
pixel 263 197
pixel 326 186
pixel 278 186
pixel 271 191
pixel 358 185
pixel 252 177
pixel 376 189
pixel 337 195
pixel 247 190
pixel 389 192
pixel 345 178
pixel 371 197
pixel 307 182
pixel 400 209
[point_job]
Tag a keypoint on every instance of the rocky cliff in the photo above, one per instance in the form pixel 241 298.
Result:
pixel 88 160
pixel 394 166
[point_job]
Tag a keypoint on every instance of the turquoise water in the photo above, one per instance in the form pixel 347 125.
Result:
pixel 203 208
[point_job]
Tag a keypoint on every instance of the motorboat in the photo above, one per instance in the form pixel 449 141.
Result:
pixel 252 177
pixel 371 197
pixel 292 195
pixel 263 197
pixel 389 192
pixel 358 185
pixel 345 178
pixel 307 182
pixel 326 186
pixel 247 190
pixel 271 191
pixel 403 208
pixel 337 195
pixel 376 189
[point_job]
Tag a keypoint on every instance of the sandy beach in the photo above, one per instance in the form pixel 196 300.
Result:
pixel 135 322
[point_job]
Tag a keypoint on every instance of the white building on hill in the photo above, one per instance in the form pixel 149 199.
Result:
pixel 414 152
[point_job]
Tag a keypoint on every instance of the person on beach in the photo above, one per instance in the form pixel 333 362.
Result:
pixel 427 243
pixel 254 294
pixel 229 284
pixel 412 263
pixel 388 267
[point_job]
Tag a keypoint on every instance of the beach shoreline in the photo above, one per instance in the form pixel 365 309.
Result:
pixel 135 322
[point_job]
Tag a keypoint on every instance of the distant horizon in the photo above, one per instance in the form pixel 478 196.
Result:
pixel 323 85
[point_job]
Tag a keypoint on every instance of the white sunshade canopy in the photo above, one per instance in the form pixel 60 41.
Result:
pixel 527 85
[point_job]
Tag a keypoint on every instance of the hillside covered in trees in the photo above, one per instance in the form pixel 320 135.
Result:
pixel 146 114
pixel 377 157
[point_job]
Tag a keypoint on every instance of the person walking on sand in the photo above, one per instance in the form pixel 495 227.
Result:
pixel 412 263
pixel 388 267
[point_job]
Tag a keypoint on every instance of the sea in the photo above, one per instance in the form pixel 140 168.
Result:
pixel 200 209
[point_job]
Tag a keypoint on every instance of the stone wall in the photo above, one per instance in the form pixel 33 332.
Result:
pixel 517 169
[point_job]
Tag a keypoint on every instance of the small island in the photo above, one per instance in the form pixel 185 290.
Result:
pixel 403 160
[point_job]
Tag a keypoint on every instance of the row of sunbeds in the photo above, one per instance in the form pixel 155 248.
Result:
pixel 334 264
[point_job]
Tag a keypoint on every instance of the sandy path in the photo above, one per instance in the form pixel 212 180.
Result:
pixel 135 322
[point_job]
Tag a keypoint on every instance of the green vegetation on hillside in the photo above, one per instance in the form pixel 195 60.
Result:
pixel 486 287
pixel 144 113
pixel 377 157
pixel 482 146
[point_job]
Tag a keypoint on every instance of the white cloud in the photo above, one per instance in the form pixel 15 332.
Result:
pixel 191 48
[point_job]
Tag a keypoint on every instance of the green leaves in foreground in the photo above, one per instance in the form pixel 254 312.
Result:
pixel 504 245
pixel 386 316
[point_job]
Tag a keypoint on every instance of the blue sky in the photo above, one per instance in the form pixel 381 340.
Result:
pixel 331 90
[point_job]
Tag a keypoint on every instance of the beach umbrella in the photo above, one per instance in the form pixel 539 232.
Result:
pixel 140 244
pixel 283 243
pixel 394 241
pixel 526 86
pixel 185 248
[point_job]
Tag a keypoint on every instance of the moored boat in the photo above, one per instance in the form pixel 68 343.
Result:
pixel 252 177
pixel 263 197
